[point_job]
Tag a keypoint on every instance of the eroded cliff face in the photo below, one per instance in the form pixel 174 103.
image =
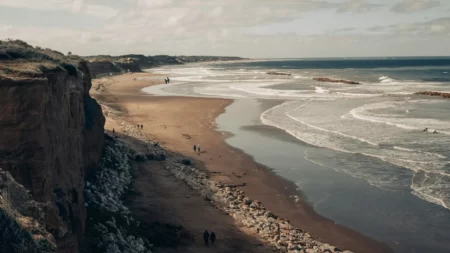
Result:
pixel 51 137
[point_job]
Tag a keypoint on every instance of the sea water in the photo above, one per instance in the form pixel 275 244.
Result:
pixel 357 152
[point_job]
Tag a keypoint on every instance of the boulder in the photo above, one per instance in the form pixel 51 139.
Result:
pixel 161 157
pixel 140 157
pixel 186 162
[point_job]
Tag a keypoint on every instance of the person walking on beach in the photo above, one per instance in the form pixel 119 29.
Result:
pixel 206 237
pixel 168 80
pixel 212 237
pixel 165 80
pixel 198 148
pixel 142 126
pixel 195 147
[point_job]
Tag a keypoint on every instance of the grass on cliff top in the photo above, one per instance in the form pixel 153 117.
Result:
pixel 17 58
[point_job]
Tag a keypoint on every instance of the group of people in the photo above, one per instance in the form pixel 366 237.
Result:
pixel 426 130
pixel 209 237
pixel 197 148
pixel 167 80
pixel 140 126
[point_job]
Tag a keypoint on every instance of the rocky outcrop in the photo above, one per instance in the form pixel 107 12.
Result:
pixel 22 220
pixel 51 134
pixel 329 80
pixel 433 93
pixel 273 73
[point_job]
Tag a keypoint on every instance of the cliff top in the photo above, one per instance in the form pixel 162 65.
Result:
pixel 19 59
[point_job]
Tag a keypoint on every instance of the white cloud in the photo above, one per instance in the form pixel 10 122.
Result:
pixel 409 6
pixel 75 6
pixel 434 27
pixel 357 6
pixel 222 27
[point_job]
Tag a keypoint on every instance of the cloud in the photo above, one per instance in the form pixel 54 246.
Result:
pixel 74 6
pixel 434 27
pixel 215 27
pixel 410 6
pixel 356 6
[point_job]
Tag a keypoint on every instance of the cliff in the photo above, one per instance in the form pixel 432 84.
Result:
pixel 106 64
pixel 52 134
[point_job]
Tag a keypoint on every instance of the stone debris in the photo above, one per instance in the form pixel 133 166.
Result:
pixel 103 195
pixel 250 214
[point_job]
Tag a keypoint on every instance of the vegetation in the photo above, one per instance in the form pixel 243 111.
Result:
pixel 19 58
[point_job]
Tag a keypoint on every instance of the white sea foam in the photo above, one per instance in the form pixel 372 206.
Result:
pixel 377 120
pixel 321 90
pixel 386 79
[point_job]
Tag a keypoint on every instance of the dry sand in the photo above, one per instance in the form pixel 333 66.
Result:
pixel 180 122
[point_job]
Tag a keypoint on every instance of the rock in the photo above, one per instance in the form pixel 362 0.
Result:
pixel 329 80
pixel 186 162
pixel 270 215
pixel 433 93
pixel 150 157
pixel 52 134
pixel 278 73
pixel 161 157
pixel 282 243
pixel 140 157
pixel 22 219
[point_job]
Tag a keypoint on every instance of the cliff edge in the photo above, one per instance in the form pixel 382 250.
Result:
pixel 52 134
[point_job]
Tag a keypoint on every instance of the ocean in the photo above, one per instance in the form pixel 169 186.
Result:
pixel 357 152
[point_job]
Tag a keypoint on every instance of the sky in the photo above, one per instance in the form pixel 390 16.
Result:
pixel 246 28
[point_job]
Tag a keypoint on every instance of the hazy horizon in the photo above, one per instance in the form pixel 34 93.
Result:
pixel 254 29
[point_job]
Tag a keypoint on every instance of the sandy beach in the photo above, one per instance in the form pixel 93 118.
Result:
pixel 180 122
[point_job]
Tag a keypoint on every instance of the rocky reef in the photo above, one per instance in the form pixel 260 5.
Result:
pixel 273 73
pixel 329 80
pixel 52 134
pixel 434 93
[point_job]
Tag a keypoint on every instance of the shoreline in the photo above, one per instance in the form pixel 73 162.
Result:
pixel 179 122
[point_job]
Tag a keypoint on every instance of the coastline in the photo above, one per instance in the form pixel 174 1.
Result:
pixel 179 122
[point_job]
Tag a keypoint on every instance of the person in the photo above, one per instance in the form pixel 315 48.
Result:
pixel 165 80
pixel 168 80
pixel 426 129
pixel 212 237
pixel 206 237
pixel 142 126
pixel 114 131
pixel 195 147
pixel 435 132
pixel 198 147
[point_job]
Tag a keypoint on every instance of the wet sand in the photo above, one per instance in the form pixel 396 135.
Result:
pixel 180 122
